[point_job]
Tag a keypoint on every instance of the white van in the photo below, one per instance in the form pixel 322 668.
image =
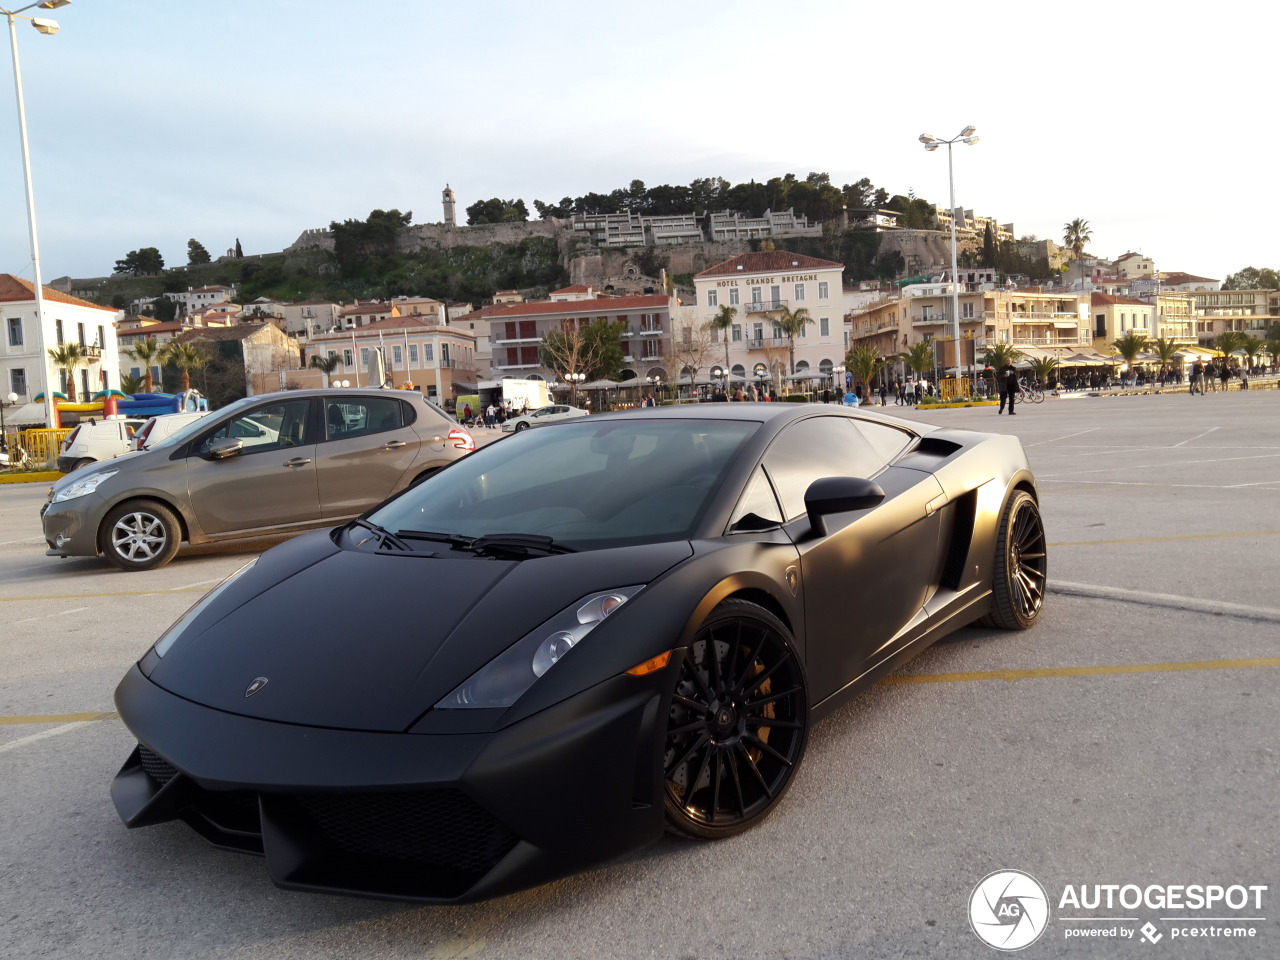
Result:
pixel 157 428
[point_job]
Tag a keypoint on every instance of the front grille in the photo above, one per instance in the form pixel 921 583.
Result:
pixel 157 768
pixel 440 827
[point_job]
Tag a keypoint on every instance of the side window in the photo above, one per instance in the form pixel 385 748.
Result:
pixel 758 509
pixel 273 426
pixel 361 415
pixel 887 441
pixel 815 448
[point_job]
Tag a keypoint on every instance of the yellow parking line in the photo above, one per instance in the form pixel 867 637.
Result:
pixel 1012 675
pixel 58 718
pixel 1187 536
pixel 122 593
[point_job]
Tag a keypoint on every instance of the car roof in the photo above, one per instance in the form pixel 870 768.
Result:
pixel 775 414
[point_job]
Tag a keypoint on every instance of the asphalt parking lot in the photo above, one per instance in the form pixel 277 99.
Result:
pixel 1129 739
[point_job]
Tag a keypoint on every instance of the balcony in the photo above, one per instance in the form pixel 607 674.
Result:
pixel 765 306
pixel 765 343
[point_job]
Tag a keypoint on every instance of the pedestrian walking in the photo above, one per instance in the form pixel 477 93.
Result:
pixel 1197 375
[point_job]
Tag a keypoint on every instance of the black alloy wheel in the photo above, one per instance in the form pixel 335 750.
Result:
pixel 737 725
pixel 522 425
pixel 1021 565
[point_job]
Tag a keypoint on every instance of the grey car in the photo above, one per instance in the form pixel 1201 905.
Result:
pixel 276 463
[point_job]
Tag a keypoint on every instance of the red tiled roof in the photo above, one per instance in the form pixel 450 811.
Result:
pixel 576 288
pixel 1097 299
pixel 403 322
pixel 1179 277
pixel 17 290
pixel 768 261
pixel 596 305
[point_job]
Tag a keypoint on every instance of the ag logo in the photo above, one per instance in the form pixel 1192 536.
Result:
pixel 1008 910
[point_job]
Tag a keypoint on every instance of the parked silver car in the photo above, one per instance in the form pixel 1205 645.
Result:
pixel 535 418
pixel 277 463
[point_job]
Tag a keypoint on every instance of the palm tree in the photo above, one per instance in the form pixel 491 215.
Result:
pixel 1003 353
pixel 1166 349
pixel 864 363
pixel 1130 345
pixel 722 321
pixel 186 357
pixel 149 353
pixel 132 383
pixel 68 357
pixel 326 365
pixel 1252 346
pixel 792 324
pixel 1044 368
pixel 1076 235
pixel 919 356
pixel 1228 342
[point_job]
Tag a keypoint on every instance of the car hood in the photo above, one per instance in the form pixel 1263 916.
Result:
pixel 366 641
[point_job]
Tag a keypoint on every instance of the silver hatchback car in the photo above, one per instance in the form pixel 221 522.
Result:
pixel 275 463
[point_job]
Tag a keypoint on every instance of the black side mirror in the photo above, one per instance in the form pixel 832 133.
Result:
pixel 839 495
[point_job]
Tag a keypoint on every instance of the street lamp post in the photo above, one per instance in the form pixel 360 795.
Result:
pixel 6 401
pixel 837 382
pixel 933 143
pixel 656 384
pixel 47 27
pixel 575 379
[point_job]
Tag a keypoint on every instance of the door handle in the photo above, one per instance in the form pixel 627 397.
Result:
pixel 297 462
pixel 393 445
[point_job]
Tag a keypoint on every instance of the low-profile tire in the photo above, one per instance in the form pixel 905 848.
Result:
pixel 1021 569
pixel 140 535
pixel 737 724
pixel 81 463
pixel 521 426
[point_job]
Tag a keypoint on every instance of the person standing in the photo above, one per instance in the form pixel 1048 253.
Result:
pixel 989 380
pixel 1197 374
pixel 1008 387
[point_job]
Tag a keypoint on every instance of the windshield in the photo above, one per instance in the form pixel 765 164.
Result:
pixel 586 483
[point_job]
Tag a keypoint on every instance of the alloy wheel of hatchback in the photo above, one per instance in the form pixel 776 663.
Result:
pixel 737 725
pixel 140 536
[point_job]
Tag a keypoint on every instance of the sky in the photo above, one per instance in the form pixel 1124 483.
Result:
pixel 151 123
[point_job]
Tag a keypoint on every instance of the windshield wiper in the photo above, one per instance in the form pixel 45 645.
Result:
pixel 502 546
pixel 384 537
pixel 517 546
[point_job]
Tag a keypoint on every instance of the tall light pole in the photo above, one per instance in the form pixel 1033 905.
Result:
pixel 931 144
pixel 49 28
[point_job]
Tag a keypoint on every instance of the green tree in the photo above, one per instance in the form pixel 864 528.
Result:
pixel 1228 342
pixel 132 383
pixel 497 211
pixel 326 365
pixel 357 241
pixel 141 262
pixel 239 250
pixel 1252 346
pixel 919 356
pixel 988 247
pixel 592 349
pixel 1130 345
pixel 998 354
pixel 196 253
pixel 1251 278
pixel 722 321
pixel 186 356
pixel 1076 235
pixel 1044 368
pixel 1166 348
pixel 792 324
pixel 865 363
pixel 69 357
pixel 149 352
pixel 164 309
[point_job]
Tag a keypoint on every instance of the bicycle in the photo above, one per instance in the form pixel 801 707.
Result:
pixel 1030 392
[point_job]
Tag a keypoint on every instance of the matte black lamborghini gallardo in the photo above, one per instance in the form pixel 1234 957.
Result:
pixel 555 647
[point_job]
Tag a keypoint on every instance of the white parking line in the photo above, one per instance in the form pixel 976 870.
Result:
pixel 5 543
pixel 1197 436
pixel 43 735
pixel 1067 437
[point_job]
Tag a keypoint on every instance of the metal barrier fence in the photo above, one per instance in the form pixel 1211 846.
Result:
pixel 40 444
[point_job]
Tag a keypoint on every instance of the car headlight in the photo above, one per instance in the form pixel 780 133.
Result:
pixel 83 486
pixel 505 678
pixel 171 635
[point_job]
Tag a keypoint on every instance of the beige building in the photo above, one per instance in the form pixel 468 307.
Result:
pixel 1113 317
pixel 1250 312
pixel 435 358
pixel 757 286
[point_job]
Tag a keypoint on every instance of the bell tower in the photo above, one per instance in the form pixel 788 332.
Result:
pixel 450 206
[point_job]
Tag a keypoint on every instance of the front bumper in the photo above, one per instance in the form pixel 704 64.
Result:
pixel 436 818
pixel 71 526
